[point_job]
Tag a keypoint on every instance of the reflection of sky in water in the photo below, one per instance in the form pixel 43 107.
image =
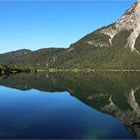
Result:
pixel 36 114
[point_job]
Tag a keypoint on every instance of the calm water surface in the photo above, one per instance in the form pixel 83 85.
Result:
pixel 52 106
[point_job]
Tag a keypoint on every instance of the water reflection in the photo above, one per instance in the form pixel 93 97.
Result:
pixel 117 94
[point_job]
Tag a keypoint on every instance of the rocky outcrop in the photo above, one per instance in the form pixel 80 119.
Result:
pixel 129 21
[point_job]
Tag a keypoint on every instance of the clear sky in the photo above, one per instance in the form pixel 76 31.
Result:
pixel 42 24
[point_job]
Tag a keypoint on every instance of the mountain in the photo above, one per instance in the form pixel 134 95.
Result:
pixel 116 46
pixel 30 59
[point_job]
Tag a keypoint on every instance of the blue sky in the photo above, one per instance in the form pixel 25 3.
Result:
pixel 43 24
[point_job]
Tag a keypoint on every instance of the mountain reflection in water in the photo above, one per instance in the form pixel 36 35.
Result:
pixel 116 94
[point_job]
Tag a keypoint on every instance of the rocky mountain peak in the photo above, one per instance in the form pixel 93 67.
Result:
pixel 129 21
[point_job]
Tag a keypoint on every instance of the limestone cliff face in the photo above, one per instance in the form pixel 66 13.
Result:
pixel 129 21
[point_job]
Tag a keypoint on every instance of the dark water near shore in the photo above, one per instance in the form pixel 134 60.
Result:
pixel 66 105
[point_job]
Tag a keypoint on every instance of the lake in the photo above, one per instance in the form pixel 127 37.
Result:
pixel 70 105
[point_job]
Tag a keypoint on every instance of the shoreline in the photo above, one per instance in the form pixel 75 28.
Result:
pixel 89 70
pixel 53 70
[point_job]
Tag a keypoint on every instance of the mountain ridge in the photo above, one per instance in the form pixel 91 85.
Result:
pixel 115 46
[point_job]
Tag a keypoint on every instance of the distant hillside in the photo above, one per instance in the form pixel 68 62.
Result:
pixel 116 46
